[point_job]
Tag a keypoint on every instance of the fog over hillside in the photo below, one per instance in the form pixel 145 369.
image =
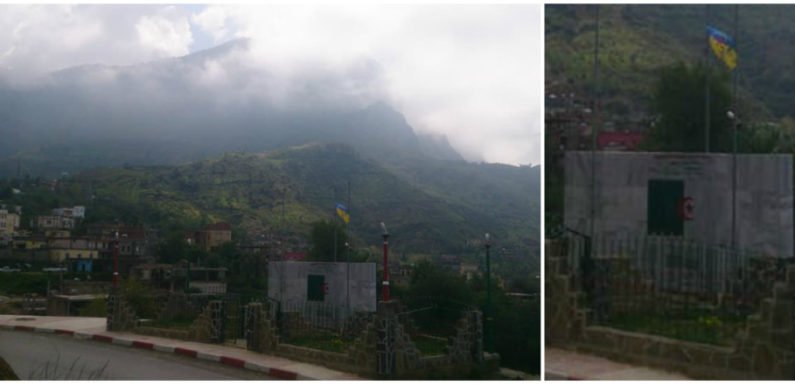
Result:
pixel 181 109
pixel 396 83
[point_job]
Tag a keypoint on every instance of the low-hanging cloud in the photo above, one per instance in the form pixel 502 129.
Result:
pixel 468 72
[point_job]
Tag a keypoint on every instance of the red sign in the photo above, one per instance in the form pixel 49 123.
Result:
pixel 686 208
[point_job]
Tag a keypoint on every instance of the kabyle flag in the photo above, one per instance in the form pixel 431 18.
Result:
pixel 723 46
pixel 342 211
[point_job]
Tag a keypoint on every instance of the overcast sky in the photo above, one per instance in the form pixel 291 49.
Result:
pixel 471 72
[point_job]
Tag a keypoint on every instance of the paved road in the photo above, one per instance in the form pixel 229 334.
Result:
pixel 562 364
pixel 38 356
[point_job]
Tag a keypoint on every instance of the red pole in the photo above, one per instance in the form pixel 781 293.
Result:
pixel 385 287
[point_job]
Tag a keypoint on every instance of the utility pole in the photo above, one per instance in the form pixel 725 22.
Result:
pixel 735 123
pixel 348 257
pixel 489 319
pixel 706 84
pixel 594 126
pixel 116 262
pixel 334 221
pixel 348 249
pixel 284 198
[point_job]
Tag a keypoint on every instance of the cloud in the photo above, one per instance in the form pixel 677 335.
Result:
pixel 213 21
pixel 53 37
pixel 166 33
pixel 469 72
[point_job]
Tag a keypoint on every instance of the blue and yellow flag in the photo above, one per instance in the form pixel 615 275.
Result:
pixel 342 211
pixel 723 46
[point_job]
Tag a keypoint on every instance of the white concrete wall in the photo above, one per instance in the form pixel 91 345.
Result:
pixel 287 282
pixel 764 196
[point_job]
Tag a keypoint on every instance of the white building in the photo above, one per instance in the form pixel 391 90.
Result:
pixel 71 212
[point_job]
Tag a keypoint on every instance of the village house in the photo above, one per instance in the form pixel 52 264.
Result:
pixel 468 270
pixel 71 212
pixel 30 242
pixel 211 236
pixel 171 277
pixel 49 222
pixel 9 224
pixel 76 254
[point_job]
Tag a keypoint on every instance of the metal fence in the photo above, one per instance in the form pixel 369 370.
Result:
pixel 668 263
pixel 669 285
pixel 316 314
pixel 317 325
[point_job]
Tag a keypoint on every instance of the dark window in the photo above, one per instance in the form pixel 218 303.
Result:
pixel 662 211
pixel 316 288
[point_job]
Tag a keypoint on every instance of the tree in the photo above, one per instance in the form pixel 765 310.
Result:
pixel 679 102
pixel 768 137
pixel 442 293
pixel 322 238
pixel 173 248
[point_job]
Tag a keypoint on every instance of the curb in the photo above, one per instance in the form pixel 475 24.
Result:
pixel 223 360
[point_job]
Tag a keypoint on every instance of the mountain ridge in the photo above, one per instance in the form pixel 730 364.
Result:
pixel 69 123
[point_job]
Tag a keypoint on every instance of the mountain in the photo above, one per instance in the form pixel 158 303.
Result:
pixel 185 109
pixel 214 136
pixel 636 40
pixel 445 206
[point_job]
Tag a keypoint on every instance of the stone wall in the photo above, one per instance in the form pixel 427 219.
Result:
pixel 762 351
pixel 122 318
pixel 383 349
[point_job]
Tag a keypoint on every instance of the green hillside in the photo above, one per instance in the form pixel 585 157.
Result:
pixel 444 206
pixel 636 40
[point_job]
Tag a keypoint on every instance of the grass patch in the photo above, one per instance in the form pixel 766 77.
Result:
pixel 20 283
pixel 96 308
pixel 322 341
pixel 708 329
pixel 429 346
pixel 181 323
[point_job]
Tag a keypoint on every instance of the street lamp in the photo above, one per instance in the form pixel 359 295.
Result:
pixel 385 283
pixel 116 262
pixel 488 324
pixel 348 279
pixel 735 123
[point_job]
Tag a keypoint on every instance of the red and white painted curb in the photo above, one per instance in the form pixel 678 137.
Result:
pixel 224 360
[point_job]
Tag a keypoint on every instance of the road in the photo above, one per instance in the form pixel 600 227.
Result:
pixel 37 356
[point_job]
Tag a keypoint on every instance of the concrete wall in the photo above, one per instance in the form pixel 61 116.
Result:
pixel 764 196
pixel 287 282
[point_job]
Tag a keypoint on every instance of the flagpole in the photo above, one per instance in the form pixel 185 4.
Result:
pixel 595 123
pixel 734 133
pixel 334 221
pixel 706 82
pixel 348 256
pixel 348 250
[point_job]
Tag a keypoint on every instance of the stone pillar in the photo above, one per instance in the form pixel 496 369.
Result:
pixel 253 320
pixel 112 311
pixel 476 326
pixel 767 346
pixel 217 321
pixel 120 316
pixel 386 325
pixel 564 320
